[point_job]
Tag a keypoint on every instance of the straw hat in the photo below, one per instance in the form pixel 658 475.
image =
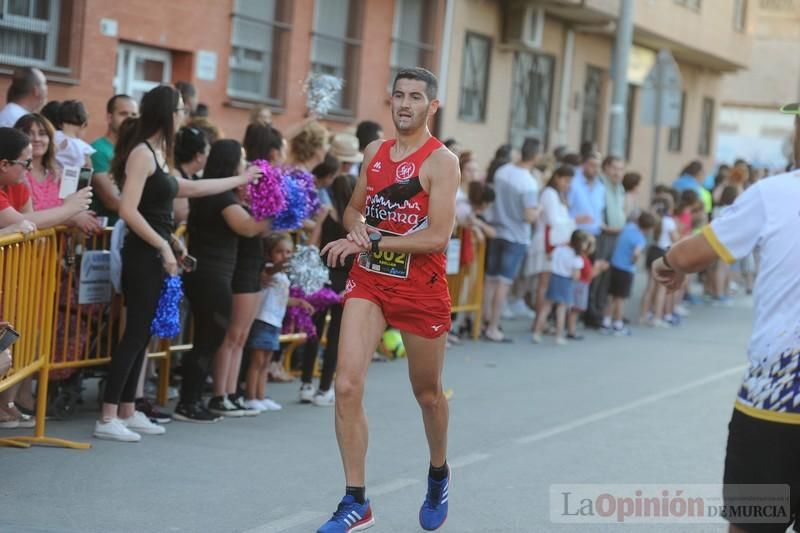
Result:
pixel 344 147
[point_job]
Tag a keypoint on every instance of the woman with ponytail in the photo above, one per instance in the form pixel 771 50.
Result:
pixel 141 169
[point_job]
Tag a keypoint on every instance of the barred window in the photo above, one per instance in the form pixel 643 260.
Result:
pixel 38 33
pixel 336 47
pixel 259 46
pixel 412 37
pixel 474 78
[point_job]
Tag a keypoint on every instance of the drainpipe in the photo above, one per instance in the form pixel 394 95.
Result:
pixel 444 58
pixel 564 91
pixel 616 137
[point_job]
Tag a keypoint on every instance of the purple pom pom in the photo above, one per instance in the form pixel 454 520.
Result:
pixel 267 196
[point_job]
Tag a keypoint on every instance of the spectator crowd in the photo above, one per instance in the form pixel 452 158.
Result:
pixel 568 234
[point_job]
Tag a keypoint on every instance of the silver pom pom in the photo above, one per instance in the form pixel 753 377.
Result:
pixel 321 92
pixel 306 269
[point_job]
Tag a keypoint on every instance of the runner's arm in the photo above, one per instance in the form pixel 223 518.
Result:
pixel 353 219
pixel 443 174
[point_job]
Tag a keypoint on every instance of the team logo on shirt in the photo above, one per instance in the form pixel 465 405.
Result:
pixel 405 171
pixel 376 166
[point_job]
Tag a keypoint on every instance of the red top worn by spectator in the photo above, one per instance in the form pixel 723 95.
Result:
pixel 15 195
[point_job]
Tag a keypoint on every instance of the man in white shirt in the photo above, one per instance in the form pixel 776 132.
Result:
pixel 26 94
pixel 513 212
pixel 764 432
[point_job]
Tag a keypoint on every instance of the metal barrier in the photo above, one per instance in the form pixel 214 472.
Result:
pixel 466 288
pixel 28 270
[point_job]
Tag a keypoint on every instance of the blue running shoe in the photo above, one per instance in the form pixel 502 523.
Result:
pixel 433 512
pixel 349 516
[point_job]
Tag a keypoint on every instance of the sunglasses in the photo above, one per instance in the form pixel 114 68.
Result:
pixel 26 164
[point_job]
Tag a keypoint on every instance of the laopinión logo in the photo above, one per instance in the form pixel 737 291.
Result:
pixel 674 503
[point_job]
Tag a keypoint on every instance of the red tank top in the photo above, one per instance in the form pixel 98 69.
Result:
pixel 396 204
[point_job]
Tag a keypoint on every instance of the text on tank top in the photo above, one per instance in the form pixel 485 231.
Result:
pixel 396 204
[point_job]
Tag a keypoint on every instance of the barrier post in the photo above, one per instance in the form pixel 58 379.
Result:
pixel 28 282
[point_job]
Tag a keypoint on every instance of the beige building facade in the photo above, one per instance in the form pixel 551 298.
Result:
pixel 528 68
pixel 749 125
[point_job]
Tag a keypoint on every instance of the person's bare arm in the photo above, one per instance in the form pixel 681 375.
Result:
pixel 106 191
pixel 690 255
pixel 209 187
pixel 47 218
pixel 180 208
pixel 242 223
pixel 353 219
pixel 441 172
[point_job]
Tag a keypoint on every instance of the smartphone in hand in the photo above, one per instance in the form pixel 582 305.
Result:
pixel 8 336
pixel 188 263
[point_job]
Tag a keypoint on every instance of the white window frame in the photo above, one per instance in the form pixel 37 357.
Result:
pixel 29 24
pixel 129 53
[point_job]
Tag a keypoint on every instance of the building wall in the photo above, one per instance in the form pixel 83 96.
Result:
pixel 183 27
pixel 591 49
pixel 750 126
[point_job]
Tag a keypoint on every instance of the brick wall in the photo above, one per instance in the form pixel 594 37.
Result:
pixel 184 26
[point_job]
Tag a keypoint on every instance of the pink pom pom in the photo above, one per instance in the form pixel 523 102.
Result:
pixel 267 197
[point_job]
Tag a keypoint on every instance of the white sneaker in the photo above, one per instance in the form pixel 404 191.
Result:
pixel 139 423
pixel 681 310
pixel 306 393
pixel 521 310
pixel 561 341
pixel 536 338
pixel 507 313
pixel 324 399
pixel 255 404
pixel 114 429
pixel 270 405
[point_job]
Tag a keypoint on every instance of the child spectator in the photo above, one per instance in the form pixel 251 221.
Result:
pixel 565 267
pixel 72 150
pixel 721 270
pixel 630 246
pixel 580 302
pixel 655 306
pixel 265 334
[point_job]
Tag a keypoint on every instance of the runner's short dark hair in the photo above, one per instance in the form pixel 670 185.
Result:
pixel 421 74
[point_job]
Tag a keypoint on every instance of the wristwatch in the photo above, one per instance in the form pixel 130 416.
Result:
pixel 375 240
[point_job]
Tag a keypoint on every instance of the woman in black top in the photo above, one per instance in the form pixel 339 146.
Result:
pixel 215 224
pixel 261 142
pixel 191 153
pixel 332 229
pixel 141 171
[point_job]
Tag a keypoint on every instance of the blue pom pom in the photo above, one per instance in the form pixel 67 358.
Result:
pixel 167 322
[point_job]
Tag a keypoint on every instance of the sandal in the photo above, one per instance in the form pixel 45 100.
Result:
pixel 7 421
pixel 23 420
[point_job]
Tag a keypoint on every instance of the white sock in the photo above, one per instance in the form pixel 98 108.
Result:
pixel 606 321
pixel 619 324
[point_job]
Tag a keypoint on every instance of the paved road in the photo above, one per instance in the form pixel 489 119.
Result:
pixel 652 408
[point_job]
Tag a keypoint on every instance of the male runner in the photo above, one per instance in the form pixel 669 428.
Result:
pixel 399 220
pixel 764 431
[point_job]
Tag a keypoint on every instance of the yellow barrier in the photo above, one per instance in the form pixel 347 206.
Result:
pixel 466 287
pixel 28 284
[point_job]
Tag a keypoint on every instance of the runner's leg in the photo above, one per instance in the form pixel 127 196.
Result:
pixel 362 327
pixel 425 365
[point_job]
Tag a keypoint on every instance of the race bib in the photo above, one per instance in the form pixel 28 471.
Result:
pixel 395 264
